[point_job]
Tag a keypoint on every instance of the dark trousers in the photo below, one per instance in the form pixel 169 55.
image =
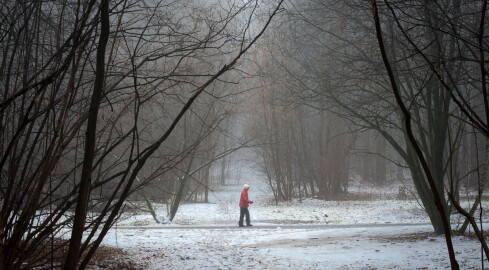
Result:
pixel 244 211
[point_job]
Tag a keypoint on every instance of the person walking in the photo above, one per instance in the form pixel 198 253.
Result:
pixel 244 202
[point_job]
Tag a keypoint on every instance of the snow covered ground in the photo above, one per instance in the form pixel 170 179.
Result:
pixel 223 209
pixel 275 248
pixel 379 234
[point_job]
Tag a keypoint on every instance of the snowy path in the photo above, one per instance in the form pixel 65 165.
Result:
pixel 275 226
pixel 223 210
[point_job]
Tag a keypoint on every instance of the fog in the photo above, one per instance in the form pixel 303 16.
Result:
pixel 112 109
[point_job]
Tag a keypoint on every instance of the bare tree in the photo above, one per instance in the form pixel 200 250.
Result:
pixel 328 55
pixel 162 54
pixel 306 151
pixel 419 153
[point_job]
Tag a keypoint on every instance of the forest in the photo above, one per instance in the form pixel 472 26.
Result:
pixel 111 109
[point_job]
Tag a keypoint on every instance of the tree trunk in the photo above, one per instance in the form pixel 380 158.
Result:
pixel 481 189
pixel 177 198
pixel 380 162
pixel 2 244
pixel 223 172
pixel 423 189
pixel 206 184
pixel 366 158
pixel 73 253
pixel 150 207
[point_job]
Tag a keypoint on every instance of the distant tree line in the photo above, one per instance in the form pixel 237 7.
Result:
pixel 328 63
pixel 410 76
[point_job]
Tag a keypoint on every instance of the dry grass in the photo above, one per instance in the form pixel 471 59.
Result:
pixel 114 259
pixel 412 237
pixel 52 255
pixel 415 237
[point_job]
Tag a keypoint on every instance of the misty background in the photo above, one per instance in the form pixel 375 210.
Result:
pixel 107 106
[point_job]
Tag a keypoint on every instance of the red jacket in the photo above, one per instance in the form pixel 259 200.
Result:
pixel 243 202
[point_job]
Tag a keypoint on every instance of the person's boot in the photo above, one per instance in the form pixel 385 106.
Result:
pixel 249 225
pixel 240 225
